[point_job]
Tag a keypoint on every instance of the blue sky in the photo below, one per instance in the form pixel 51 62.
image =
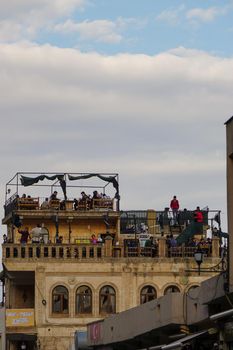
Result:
pixel 149 26
pixel 137 87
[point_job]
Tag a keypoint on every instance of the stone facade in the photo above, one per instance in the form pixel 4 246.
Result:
pixel 34 271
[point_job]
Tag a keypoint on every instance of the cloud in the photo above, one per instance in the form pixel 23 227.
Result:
pixel 157 120
pixel 48 9
pixel 99 30
pixel 175 16
pixel 171 16
pixel 205 15
pixel 22 19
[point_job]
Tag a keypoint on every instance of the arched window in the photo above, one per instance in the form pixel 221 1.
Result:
pixel 192 288
pixel 107 300
pixel 171 289
pixel 148 293
pixel 83 300
pixel 60 300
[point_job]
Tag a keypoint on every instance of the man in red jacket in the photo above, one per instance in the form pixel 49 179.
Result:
pixel 174 205
pixel 198 216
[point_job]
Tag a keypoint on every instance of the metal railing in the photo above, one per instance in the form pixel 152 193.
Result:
pixel 187 252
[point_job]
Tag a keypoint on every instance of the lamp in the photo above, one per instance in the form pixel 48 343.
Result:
pixel 198 256
pixel 23 346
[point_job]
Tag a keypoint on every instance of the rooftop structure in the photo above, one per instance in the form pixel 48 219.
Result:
pixel 71 256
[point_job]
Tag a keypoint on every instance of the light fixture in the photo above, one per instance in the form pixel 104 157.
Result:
pixel 198 256
pixel 23 346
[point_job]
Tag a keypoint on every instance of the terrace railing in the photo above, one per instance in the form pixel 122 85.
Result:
pixel 98 251
pixel 50 251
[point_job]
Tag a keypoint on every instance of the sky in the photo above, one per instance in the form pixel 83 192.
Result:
pixel 139 87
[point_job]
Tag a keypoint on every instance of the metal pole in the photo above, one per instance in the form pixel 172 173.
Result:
pixel 57 228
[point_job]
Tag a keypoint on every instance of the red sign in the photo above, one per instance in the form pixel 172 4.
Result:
pixel 95 332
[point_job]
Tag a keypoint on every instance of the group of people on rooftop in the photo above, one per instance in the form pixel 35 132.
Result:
pixel 86 199
pixel 173 216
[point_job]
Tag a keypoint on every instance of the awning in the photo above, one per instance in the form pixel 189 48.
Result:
pixel 21 336
pixel 179 343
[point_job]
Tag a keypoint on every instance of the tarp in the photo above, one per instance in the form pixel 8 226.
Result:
pixel 29 181
pixel 111 179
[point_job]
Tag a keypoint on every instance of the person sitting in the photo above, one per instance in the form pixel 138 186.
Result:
pixel 84 196
pixel 36 234
pixel 149 242
pixel 24 196
pixel 24 235
pixel 75 204
pixel 53 195
pixel 63 205
pixel 99 239
pixel 94 239
pixel 96 195
pixel 45 204
pixel 173 241
pixel 84 201
pixel 60 240
pixel 150 246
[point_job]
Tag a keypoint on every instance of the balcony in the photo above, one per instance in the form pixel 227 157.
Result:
pixel 69 189
pixel 87 251
pixel 29 205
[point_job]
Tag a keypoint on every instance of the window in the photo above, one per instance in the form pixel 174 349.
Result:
pixel 60 299
pixel 192 288
pixel 107 300
pixel 84 300
pixel 171 289
pixel 148 293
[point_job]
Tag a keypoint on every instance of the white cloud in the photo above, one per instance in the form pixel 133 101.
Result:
pixel 205 15
pixel 157 120
pixel 46 8
pixel 171 16
pixel 174 16
pixel 99 30
pixel 23 19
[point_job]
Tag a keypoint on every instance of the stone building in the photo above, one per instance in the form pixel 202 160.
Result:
pixel 85 259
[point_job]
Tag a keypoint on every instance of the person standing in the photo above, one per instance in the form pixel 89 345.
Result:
pixel 24 235
pixel 198 216
pixel 198 221
pixel 36 234
pixel 174 205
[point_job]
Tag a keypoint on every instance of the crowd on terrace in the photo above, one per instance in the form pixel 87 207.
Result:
pixel 85 202
pixel 170 217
